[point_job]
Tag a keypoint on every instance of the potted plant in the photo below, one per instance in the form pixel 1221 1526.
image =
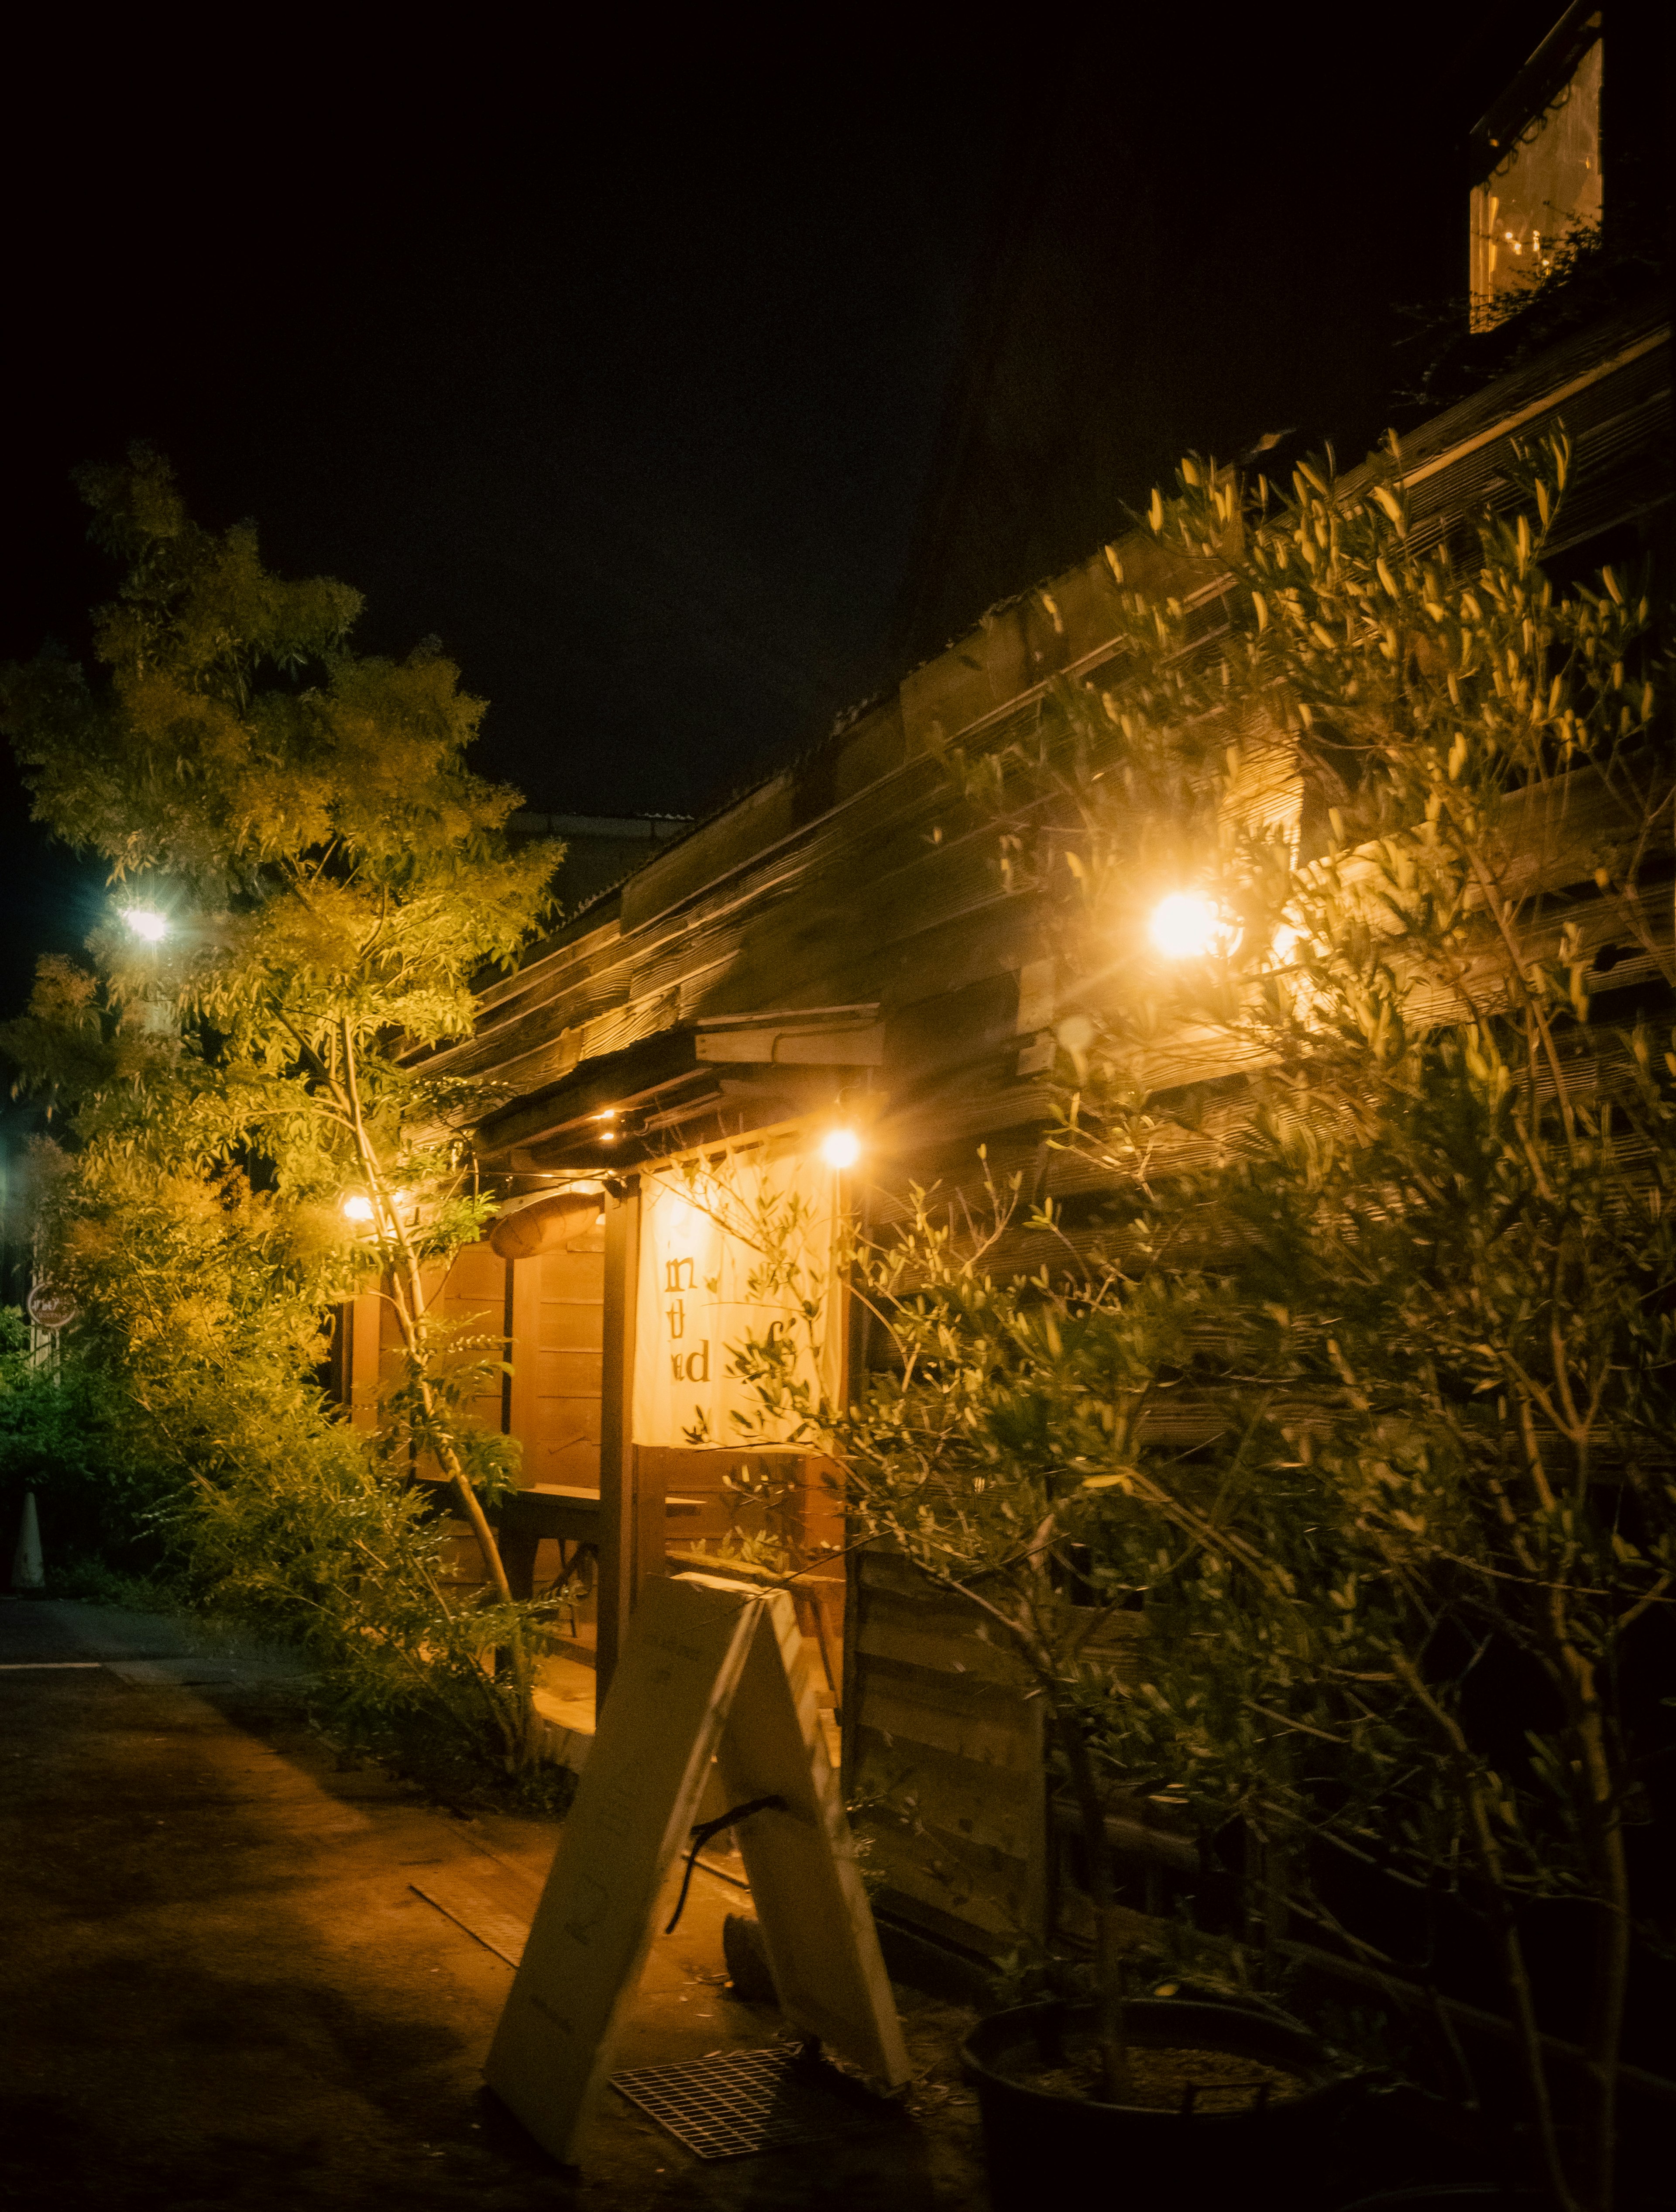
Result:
pixel 1001 1447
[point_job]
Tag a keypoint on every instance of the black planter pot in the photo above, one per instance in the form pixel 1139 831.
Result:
pixel 1043 2150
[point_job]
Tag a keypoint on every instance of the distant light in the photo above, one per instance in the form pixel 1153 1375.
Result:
pixel 840 1148
pixel 145 921
pixel 357 1206
pixel 1184 927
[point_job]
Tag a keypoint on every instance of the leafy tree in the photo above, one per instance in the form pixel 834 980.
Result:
pixel 1360 1380
pixel 309 880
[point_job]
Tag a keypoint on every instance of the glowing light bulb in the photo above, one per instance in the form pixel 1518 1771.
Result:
pixel 357 1206
pixel 146 922
pixel 1184 927
pixel 840 1148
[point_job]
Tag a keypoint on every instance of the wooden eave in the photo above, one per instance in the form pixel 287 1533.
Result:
pixel 622 1107
pixel 853 879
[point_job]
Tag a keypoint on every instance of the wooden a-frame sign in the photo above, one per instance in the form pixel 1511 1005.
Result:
pixel 709 1670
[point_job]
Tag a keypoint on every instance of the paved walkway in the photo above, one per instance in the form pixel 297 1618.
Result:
pixel 219 1987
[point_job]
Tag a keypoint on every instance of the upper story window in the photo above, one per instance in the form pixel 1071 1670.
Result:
pixel 1539 156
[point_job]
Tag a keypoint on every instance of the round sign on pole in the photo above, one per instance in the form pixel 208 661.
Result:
pixel 50 1307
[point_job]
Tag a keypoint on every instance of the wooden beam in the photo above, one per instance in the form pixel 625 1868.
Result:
pixel 619 1500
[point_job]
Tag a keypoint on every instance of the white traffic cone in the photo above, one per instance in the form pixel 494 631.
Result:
pixel 28 1569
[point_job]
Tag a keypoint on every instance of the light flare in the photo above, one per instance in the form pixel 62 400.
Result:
pixel 1188 927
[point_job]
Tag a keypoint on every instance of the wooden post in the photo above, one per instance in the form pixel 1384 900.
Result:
pixel 366 1317
pixel 858 1322
pixel 620 1544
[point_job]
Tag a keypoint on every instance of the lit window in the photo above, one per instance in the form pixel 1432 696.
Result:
pixel 1538 152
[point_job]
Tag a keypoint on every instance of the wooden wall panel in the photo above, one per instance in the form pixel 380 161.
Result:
pixel 811 1519
pixel 557 1337
pixel 943 1761
pixel 474 1300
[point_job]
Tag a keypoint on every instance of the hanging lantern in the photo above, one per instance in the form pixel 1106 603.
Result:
pixel 548 1225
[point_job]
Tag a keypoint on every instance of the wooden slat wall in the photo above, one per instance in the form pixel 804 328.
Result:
pixel 558 1320
pixel 474 1301
pixel 943 1761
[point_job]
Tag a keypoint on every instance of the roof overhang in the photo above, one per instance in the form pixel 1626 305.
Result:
pixel 750 1068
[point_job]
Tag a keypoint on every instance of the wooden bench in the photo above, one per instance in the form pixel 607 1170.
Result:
pixel 569 1516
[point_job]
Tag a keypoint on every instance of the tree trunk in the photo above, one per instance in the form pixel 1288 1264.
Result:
pixel 408 1300
pixel 1116 2079
pixel 1504 1929
pixel 1611 1975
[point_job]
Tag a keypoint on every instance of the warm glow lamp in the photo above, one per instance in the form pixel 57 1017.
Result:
pixel 1184 927
pixel 357 1206
pixel 146 922
pixel 840 1148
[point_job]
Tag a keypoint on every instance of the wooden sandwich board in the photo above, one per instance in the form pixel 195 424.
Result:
pixel 710 1668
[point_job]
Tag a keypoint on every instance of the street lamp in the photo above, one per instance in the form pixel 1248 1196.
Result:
pixel 357 1206
pixel 147 923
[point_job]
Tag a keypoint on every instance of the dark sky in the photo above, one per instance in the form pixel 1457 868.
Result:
pixel 630 389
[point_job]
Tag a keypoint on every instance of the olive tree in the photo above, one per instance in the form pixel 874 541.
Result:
pixel 1332 857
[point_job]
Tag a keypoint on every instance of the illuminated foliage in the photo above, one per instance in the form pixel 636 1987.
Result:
pixel 334 880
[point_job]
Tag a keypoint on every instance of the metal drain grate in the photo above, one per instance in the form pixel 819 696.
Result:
pixel 742 2102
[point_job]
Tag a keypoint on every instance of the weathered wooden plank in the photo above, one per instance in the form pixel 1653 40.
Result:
pixel 718 847
pixel 988 1805
pixel 976 1891
pixel 907 1716
pixel 922 1646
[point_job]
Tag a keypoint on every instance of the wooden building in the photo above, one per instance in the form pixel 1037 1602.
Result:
pixel 836 952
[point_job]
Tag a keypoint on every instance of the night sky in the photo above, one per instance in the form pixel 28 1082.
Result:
pixel 649 395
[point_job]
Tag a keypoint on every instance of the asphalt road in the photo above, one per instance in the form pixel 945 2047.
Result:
pixel 218 1986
